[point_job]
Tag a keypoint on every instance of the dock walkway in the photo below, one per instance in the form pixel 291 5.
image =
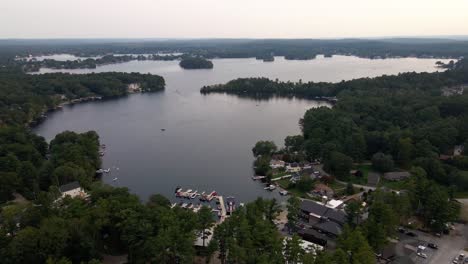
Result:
pixel 282 177
pixel 223 208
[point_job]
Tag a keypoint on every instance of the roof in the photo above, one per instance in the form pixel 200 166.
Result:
pixel 321 210
pixel 336 216
pixel 313 207
pixel 396 175
pixel 329 227
pixel 334 203
pixel 70 186
pixel 314 233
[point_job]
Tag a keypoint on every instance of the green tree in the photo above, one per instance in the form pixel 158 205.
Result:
pixel 205 221
pixel 264 148
pixel 293 251
pixel 294 207
pixel 382 162
pixel 294 143
pixel 338 165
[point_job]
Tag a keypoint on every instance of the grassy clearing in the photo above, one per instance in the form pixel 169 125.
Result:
pixel 284 183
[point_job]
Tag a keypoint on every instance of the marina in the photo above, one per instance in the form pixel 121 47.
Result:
pixel 221 207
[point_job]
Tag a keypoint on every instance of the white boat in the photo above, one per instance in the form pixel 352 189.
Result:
pixel 106 171
pixel 271 187
pixel 283 192
pixel 184 205
pixel 115 179
pixel 194 194
pixel 190 206
pixel 173 205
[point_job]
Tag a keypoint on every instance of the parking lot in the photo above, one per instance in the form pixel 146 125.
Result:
pixel 449 246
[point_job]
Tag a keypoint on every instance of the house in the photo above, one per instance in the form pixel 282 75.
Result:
pixel 72 189
pixel 313 236
pixel 293 167
pixel 396 175
pixel 275 164
pixel 323 190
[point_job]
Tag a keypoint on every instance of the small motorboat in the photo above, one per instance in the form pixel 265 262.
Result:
pixel 184 205
pixel 231 205
pixel 194 195
pixel 177 189
pixel 106 171
pixel 190 206
pixel 115 179
pixel 271 187
pixel 163 129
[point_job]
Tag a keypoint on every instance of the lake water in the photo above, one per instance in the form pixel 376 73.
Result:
pixel 208 139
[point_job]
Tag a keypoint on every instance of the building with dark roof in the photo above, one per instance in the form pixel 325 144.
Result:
pixel 329 228
pixel 69 186
pixel 313 236
pixel 316 211
pixel 396 175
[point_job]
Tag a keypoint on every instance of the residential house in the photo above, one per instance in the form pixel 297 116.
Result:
pixel 396 175
pixel 73 189
pixel 276 164
pixel 293 167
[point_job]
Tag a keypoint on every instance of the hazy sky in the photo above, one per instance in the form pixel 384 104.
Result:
pixel 231 18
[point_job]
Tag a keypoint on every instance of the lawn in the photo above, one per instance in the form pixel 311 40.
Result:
pixel 284 183
pixel 394 185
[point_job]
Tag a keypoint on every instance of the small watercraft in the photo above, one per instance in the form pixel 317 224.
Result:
pixel 184 205
pixel 115 179
pixel 231 205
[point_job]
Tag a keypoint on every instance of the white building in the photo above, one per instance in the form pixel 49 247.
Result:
pixel 72 189
pixel 275 164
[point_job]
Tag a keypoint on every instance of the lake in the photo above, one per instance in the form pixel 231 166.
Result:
pixel 208 139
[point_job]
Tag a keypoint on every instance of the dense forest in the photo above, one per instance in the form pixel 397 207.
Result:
pixel 25 97
pixel 195 63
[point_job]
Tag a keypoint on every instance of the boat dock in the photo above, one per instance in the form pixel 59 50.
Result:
pixel 223 209
pixel 282 177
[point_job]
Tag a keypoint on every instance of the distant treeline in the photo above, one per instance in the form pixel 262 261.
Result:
pixel 239 48
pixel 24 97
pixel 90 63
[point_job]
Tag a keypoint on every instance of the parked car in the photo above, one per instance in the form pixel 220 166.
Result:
pixel 401 230
pixel 422 255
pixel 411 233
pixel 432 245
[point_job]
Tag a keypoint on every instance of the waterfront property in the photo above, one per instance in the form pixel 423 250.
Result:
pixel 73 190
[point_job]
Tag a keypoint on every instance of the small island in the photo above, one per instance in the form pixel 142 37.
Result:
pixel 196 63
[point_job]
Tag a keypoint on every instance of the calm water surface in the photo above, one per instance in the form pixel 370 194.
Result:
pixel 207 140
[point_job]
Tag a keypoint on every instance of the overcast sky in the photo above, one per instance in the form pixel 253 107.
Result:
pixel 231 18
